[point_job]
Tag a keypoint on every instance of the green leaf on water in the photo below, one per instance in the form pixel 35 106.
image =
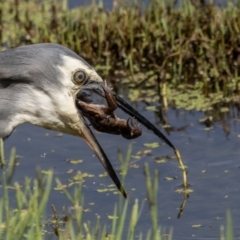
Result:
pixel 70 171
pixel 79 176
pixel 134 166
pixel 75 161
pixel 181 190
pixel 47 172
pixel 112 217
pixel 151 108
pixel 105 174
pixel 59 188
pixel 102 190
pixel 138 157
pixel 160 160
pixel 170 178
pixel 197 225
pixel 144 152
pixel 151 145
pixel 111 189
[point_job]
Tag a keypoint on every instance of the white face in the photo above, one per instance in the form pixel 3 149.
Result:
pixel 70 66
pixel 56 109
pixel 65 100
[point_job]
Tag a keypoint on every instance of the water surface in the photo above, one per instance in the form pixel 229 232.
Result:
pixel 108 4
pixel 212 157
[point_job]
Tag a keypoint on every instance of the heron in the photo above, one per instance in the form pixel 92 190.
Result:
pixel 39 84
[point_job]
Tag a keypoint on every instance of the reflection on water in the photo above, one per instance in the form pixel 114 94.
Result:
pixel 211 154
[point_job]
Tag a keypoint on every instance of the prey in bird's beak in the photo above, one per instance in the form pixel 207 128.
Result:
pixel 111 124
pixel 103 118
pixel 122 104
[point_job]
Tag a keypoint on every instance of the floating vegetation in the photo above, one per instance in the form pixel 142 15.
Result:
pixel 80 176
pixel 151 145
pixel 74 161
pixel 161 160
pixel 104 174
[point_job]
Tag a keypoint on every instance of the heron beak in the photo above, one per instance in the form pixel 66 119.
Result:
pixel 91 140
pixel 95 87
pixel 97 149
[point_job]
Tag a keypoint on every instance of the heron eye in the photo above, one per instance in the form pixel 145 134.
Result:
pixel 79 77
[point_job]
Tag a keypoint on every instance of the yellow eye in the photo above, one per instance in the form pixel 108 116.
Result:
pixel 79 77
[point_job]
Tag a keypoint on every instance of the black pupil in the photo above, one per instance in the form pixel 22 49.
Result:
pixel 80 76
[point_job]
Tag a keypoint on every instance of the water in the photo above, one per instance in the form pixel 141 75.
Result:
pixel 212 157
pixel 108 4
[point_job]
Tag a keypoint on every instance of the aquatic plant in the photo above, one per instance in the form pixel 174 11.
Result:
pixel 196 44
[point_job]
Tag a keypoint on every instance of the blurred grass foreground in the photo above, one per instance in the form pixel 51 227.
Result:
pixel 28 218
pixel 23 210
pixel 158 49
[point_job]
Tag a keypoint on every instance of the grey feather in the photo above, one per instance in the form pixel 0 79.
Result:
pixel 27 67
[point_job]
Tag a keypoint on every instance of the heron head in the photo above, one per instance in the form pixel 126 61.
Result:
pixel 39 83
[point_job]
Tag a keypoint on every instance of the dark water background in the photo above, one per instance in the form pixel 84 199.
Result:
pixel 212 157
